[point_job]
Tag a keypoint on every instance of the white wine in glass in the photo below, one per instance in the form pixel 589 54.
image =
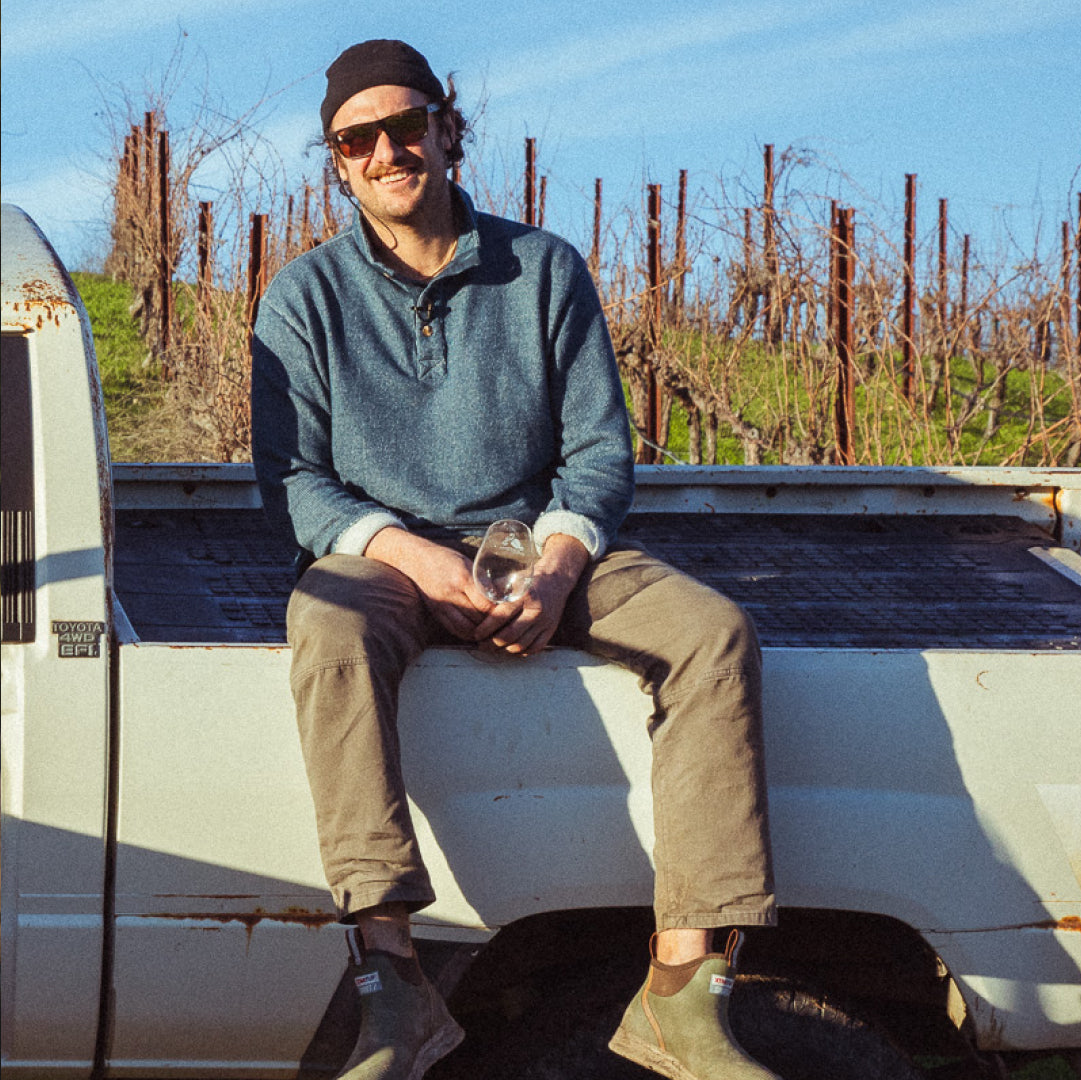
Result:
pixel 503 567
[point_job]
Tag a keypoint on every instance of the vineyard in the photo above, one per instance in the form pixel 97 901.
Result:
pixel 778 327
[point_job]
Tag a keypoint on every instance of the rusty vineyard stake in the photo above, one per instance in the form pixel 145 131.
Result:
pixel 127 165
pixel 147 235
pixel 831 306
pixel 126 200
pixel 1073 361
pixel 543 199
pixel 1064 301
pixel 206 242
pixel 135 203
pixel 165 269
pixel 595 254
pixel 257 252
pixel 943 306
pixel 653 323
pixel 842 303
pixel 907 372
pixel 679 285
pixel 307 234
pixel 748 239
pixel 290 227
pixel 529 214
pixel 135 190
pixel 136 155
pixel 148 162
pixel 942 269
pixel 1077 248
pixel 330 224
pixel 962 312
pixel 769 247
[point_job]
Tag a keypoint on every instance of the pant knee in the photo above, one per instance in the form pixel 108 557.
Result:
pixel 735 636
pixel 345 607
pixel 719 636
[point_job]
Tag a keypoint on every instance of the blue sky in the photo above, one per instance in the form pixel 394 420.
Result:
pixel 979 98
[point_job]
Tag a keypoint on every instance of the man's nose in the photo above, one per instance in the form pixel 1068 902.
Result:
pixel 386 149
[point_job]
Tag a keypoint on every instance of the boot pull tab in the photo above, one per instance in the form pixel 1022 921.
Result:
pixel 731 950
pixel 357 950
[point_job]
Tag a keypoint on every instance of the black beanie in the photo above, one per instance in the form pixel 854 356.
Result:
pixel 376 63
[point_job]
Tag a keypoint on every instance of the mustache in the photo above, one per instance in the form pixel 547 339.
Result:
pixel 407 160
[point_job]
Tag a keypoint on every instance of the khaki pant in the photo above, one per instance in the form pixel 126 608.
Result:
pixel 355 624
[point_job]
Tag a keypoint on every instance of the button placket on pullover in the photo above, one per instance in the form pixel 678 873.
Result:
pixel 429 334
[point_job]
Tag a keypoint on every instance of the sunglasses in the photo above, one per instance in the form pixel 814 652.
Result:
pixel 409 126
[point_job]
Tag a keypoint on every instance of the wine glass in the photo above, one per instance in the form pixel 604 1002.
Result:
pixel 503 567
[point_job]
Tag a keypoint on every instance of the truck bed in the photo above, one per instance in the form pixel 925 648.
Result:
pixel 816 581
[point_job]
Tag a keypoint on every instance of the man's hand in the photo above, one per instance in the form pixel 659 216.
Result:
pixel 444 578
pixel 524 627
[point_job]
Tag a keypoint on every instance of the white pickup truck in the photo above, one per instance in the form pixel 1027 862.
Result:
pixel 164 910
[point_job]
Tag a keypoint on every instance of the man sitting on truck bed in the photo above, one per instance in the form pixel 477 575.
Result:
pixel 422 374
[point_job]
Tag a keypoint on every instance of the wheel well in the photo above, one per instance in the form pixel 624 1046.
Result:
pixel 876 966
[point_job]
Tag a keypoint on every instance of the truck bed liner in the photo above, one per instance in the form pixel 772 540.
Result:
pixel 810 581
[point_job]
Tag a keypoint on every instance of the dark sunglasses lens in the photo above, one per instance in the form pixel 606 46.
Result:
pixel 358 141
pixel 407 127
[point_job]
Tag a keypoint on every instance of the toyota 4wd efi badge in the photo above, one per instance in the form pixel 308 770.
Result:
pixel 78 640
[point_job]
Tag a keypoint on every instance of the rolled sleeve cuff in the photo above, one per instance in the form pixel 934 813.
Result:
pixel 570 524
pixel 355 539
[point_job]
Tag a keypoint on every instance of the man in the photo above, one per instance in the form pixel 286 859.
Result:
pixel 417 377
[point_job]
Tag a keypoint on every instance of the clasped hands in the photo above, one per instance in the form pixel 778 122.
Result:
pixel 445 580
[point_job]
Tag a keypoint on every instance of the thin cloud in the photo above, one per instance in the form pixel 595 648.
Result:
pixel 585 57
pixel 812 33
pixel 941 25
pixel 809 57
pixel 72 26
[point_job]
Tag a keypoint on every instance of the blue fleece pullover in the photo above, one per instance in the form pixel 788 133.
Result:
pixel 491 391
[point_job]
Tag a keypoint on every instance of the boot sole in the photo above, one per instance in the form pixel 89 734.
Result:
pixel 650 1057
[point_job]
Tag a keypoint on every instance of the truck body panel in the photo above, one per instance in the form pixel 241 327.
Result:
pixel 56 512
pixel 540 802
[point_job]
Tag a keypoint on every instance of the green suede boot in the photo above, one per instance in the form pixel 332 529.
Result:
pixel 677 1024
pixel 405 1027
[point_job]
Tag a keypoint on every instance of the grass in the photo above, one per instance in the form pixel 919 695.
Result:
pixel 148 418
pixel 130 380
pixel 772 393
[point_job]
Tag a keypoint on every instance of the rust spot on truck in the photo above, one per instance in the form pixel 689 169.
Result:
pixel 44 301
pixel 1071 923
pixel 1044 498
pixel 311 920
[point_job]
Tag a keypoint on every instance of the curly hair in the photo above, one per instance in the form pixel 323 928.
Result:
pixel 459 126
